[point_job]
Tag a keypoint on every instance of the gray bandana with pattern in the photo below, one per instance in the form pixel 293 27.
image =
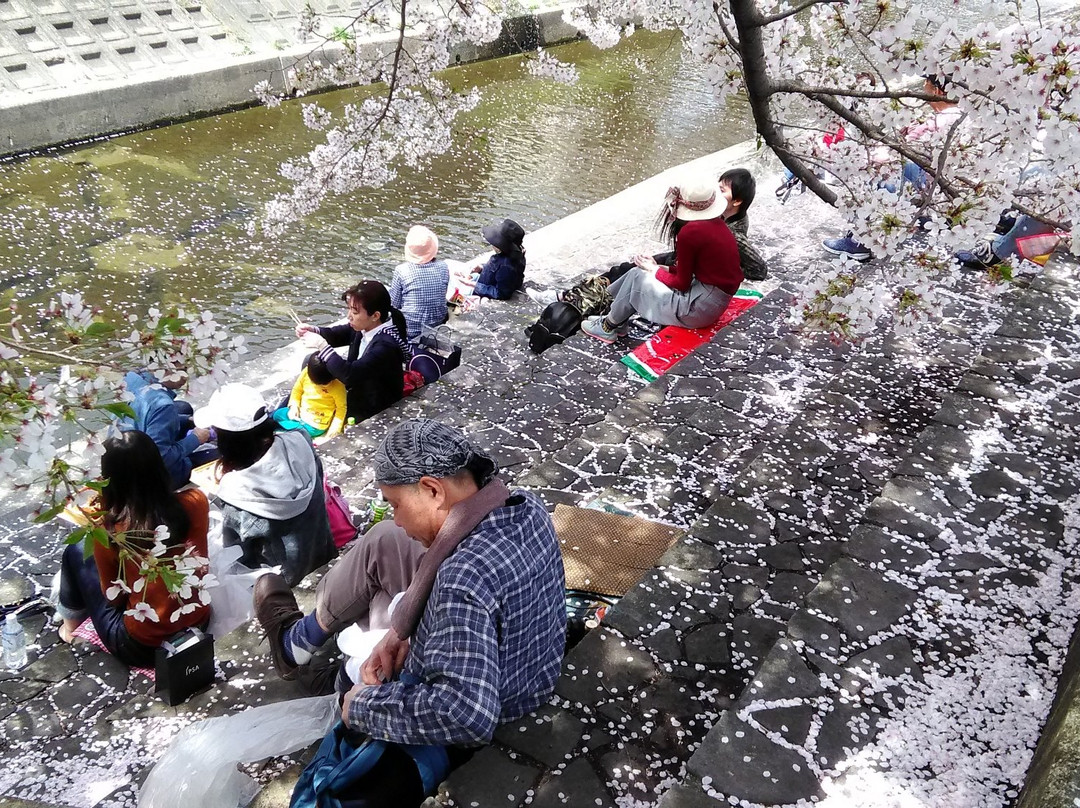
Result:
pixel 421 447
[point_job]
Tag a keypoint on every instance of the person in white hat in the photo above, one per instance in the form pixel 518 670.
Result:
pixel 270 486
pixel 698 285
pixel 418 288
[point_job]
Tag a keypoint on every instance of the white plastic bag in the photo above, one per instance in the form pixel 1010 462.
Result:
pixel 230 600
pixel 199 768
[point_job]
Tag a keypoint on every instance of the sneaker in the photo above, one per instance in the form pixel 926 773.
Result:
pixel 981 257
pixel 847 246
pixel 787 186
pixel 597 327
pixel 276 610
pixel 542 297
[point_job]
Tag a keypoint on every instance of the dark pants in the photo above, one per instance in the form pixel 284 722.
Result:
pixel 665 259
pixel 394 782
pixel 81 595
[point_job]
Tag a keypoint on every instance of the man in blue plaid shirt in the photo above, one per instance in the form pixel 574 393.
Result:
pixel 475 640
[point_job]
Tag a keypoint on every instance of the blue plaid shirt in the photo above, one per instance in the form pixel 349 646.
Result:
pixel 489 646
pixel 419 292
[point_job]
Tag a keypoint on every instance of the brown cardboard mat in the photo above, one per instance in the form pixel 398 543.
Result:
pixel 607 552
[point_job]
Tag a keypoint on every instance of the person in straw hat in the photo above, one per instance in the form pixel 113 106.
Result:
pixel 698 285
pixel 418 288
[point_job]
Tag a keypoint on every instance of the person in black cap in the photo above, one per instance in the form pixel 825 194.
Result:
pixel 504 273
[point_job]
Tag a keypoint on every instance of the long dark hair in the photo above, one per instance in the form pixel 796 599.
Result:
pixel 139 494
pixel 239 450
pixel 374 297
pixel 668 227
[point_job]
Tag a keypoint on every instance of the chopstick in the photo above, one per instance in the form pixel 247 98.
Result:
pixel 293 316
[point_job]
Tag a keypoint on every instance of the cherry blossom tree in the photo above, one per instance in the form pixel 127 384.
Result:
pixel 61 391
pixel 836 92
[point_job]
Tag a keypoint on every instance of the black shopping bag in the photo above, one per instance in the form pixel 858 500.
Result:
pixel 183 665
pixel 437 343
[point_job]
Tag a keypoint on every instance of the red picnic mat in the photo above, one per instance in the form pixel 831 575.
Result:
pixel 86 631
pixel 663 350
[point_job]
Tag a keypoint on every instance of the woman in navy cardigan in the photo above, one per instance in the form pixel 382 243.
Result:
pixel 373 370
pixel 504 272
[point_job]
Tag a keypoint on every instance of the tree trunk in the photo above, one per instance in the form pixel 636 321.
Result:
pixel 759 89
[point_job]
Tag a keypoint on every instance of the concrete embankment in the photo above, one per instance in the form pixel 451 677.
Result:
pixel 77 71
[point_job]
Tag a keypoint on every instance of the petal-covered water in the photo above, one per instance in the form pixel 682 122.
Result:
pixel 160 217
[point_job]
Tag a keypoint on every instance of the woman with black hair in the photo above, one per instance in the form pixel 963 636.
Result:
pixel 373 369
pixel 698 284
pixel 270 486
pixel 136 501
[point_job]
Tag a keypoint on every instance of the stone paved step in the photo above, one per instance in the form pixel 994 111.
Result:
pixel 950 581
pixel 696 629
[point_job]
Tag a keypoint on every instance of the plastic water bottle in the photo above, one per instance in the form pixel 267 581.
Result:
pixel 14 643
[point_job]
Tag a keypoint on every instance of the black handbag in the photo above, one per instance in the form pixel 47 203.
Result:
pixel 437 343
pixel 183 665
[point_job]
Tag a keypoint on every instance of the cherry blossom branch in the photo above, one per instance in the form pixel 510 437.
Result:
pixel 759 88
pixel 731 39
pixel 800 88
pixel 791 12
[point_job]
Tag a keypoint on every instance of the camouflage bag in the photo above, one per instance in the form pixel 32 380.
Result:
pixel 589 296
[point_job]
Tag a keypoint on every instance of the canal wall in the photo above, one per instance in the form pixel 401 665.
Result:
pixel 73 71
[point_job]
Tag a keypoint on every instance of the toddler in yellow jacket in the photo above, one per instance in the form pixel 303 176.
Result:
pixel 317 403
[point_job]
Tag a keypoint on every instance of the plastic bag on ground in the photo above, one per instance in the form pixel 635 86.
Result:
pixel 230 600
pixel 199 768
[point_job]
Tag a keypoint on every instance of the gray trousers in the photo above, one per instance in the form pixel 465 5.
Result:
pixel 359 588
pixel 640 292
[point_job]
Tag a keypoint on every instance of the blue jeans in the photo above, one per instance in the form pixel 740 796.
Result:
pixel 81 595
pixel 1004 246
pixel 910 174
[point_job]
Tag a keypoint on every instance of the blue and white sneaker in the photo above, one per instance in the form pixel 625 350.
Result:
pixel 982 256
pixel 847 246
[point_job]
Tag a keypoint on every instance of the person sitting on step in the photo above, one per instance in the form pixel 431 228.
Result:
pixel 418 287
pixel 374 367
pixel 317 403
pixel 504 272
pixel 477 638
pixel 738 188
pixel 699 283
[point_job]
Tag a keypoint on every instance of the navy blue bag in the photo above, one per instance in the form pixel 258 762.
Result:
pixel 339 763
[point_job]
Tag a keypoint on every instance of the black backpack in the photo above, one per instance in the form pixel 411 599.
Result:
pixel 557 322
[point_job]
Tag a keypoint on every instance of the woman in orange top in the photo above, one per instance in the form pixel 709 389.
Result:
pixel 132 615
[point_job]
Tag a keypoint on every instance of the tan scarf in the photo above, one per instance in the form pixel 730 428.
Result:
pixel 460 523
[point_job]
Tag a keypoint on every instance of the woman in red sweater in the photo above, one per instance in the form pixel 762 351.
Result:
pixel 134 615
pixel 694 291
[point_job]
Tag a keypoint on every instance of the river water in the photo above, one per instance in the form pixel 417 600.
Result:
pixel 159 217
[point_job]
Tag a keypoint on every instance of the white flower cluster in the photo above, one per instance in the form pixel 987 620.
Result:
pixel 185 576
pixel 55 421
pixel 547 66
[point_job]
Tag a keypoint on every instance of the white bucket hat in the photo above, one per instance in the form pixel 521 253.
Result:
pixel 695 199
pixel 234 408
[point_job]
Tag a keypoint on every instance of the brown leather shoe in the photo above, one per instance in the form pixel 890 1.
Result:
pixel 276 610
